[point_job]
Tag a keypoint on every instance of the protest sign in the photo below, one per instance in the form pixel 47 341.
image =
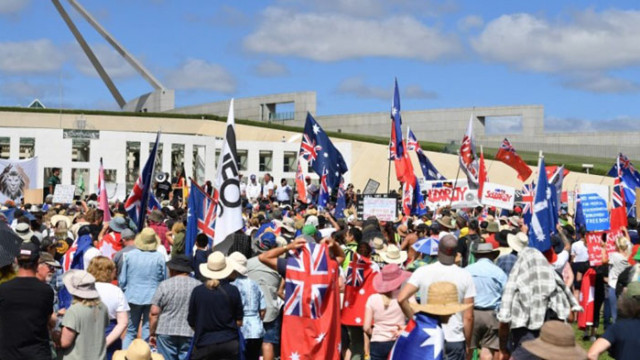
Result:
pixel 384 208
pixel 371 187
pixel 497 195
pixel 442 193
pixel 594 199
pixel 63 194
pixel 15 177
pixel 33 196
pixel 594 247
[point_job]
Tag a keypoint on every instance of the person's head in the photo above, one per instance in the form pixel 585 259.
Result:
pixel 622 245
pixel 82 286
pixel 28 256
pixel 147 240
pixel 102 268
pixel 128 237
pixel 267 178
pixel 307 179
pixel 629 301
pixel 353 235
pixel 215 269
pixel 447 249
pixel 138 350
pixel 364 249
pixel 389 279
pixel 556 341
pixel 202 240
pixel 485 251
pixel 442 301
pixel 179 264
pixel 474 226
pixel 56 171
pixel 283 182
pixel 47 266
pixel 253 178
pixel 178 227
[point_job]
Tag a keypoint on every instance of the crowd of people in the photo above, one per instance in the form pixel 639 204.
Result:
pixel 84 288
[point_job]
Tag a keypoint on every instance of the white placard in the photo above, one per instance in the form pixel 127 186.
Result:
pixel 115 191
pixel 500 196
pixel 442 193
pixel 382 208
pixel 63 194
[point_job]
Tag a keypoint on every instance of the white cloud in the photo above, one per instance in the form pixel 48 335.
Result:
pixel 590 41
pixel 417 92
pixel 374 8
pixel 21 90
pixel 30 57
pixel 470 22
pixel 600 83
pixel 196 74
pixel 270 68
pixel 114 64
pixel 356 86
pixel 12 6
pixel 333 37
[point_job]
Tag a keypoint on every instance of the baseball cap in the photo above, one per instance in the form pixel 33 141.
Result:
pixel 46 258
pixel 447 249
pixel 29 252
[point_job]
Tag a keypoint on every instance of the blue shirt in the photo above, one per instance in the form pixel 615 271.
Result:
pixel 142 272
pixel 252 302
pixel 506 262
pixel 489 281
pixel 213 313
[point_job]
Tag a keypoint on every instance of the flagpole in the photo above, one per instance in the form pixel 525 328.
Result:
pixel 388 175
pixel 455 183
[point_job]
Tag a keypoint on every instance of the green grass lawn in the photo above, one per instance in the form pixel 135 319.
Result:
pixel 587 344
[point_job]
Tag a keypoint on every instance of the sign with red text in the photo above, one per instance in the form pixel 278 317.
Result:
pixel 445 192
pixel 499 196
pixel 594 247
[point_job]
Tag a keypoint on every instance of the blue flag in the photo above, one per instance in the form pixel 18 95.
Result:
pixel 429 171
pixel 74 260
pixel 422 339
pixel 319 151
pixel 341 202
pixel 542 219
pixel 138 201
pixel 325 190
pixel 200 218
pixel 579 220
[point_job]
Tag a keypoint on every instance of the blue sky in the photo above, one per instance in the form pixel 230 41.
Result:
pixel 579 59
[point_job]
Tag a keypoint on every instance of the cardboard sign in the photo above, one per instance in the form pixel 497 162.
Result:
pixel 383 208
pixel 442 193
pixel 63 194
pixel 594 199
pixel 500 196
pixel 371 187
pixel 594 247
pixel 33 196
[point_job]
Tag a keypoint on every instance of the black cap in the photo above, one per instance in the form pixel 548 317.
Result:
pixel 29 252
pixel 180 263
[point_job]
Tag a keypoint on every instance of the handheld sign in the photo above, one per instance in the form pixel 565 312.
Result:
pixel 499 196
pixel 63 194
pixel 594 199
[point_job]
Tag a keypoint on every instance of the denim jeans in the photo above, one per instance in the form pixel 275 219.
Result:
pixel 136 314
pixel 613 304
pixel 173 347
pixel 455 350
pixel 379 350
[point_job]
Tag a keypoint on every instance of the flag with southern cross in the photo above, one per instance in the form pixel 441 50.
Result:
pixel 429 171
pixel 422 339
pixel 402 161
pixel 528 196
pixel 618 208
pixel 319 151
pixel 630 180
pixel 201 217
pixel 542 220
pixel 138 201
pixel 358 286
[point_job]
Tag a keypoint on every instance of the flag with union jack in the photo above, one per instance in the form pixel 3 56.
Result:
pixel 630 178
pixel 528 196
pixel 428 169
pixel 201 216
pixel 322 155
pixel 311 312
pixel 619 208
pixel 138 201
pixel 508 155
pixel 358 286
pixel 402 161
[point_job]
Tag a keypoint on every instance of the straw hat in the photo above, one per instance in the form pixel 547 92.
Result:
pixel 442 299
pixel 393 255
pixel 55 219
pixel 556 342
pixel 217 267
pixel 238 262
pixel 389 278
pixel 138 350
pixel 446 222
pixel 518 241
pixel 81 284
pixel 147 240
pixel 378 244
pixel 402 230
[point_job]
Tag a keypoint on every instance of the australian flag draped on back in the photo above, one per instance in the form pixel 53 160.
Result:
pixel 422 339
pixel 630 180
pixel 201 217
pixel 136 204
pixel 318 150
pixel 311 312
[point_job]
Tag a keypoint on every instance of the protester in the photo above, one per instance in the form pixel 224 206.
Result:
pixel 516 243
pixel 156 222
pixel 128 243
pixel 168 327
pixel 175 237
pixel 201 253
pixel 617 263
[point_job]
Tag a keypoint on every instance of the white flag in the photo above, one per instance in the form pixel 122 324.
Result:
pixel 229 208
pixel 468 158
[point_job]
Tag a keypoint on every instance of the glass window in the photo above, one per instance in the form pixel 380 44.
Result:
pixel 80 179
pixel 5 147
pixel 80 150
pixel 218 157
pixel 265 160
pixel 198 165
pixel 177 158
pixel 110 175
pixel 133 163
pixel 50 178
pixel 243 156
pixel 27 148
pixel 158 167
pixel 289 161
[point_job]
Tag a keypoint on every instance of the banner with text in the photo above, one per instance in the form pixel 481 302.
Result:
pixel 442 193
pixel 500 196
pixel 594 199
pixel 384 208
pixel 15 177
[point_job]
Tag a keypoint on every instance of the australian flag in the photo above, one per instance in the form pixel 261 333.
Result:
pixel 201 217
pixel 138 201
pixel 422 339
pixel 543 220
pixel 429 171
pixel 630 180
pixel 304 295
pixel 318 149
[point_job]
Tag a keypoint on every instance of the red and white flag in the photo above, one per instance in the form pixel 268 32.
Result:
pixel 482 175
pixel 103 200
pixel 508 155
pixel 301 187
pixel 358 287
pixel 468 158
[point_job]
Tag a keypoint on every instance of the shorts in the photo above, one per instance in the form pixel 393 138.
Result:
pixel 579 268
pixel 485 330
pixel 272 330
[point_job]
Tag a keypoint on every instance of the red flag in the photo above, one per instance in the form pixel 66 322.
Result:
pixel 507 154
pixel 585 318
pixel 103 199
pixel 301 187
pixel 619 207
pixel 311 313
pixel 467 156
pixel 482 175
pixel 552 170
pixel 357 289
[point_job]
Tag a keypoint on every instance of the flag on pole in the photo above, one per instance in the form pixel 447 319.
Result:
pixel 468 158
pixel 138 201
pixel 402 161
pixel 103 200
pixel 229 207
pixel 630 179
pixel 556 179
pixel 618 208
pixel 429 171
pixel 301 187
pixel 542 218
pixel 482 174
pixel 508 155
pixel 319 151
pixel 201 217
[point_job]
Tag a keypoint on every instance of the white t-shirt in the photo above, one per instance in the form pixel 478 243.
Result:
pixel 243 188
pixel 90 254
pixel 266 187
pixel 617 264
pixel 579 252
pixel 563 259
pixel 113 298
pixel 282 193
pixel 253 191
pixel 424 276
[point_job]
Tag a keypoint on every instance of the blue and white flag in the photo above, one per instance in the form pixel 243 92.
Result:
pixel 429 170
pixel 542 219
pixel 630 180
pixel 320 152
pixel 138 201
pixel 422 339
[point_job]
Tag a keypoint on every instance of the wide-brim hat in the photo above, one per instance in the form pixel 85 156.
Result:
pixel 485 249
pixel 238 262
pixel 556 342
pixel 138 350
pixel 378 244
pixel 24 231
pixel 442 299
pixel 147 240
pixel 518 241
pixel 446 222
pixel 403 230
pixel 180 263
pixel 493 227
pixel 393 255
pixel 514 220
pixel 390 278
pixel 55 219
pixel 217 267
pixel 288 224
pixel 81 284
pixel 118 224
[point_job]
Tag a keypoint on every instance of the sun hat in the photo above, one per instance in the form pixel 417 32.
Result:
pixel 447 249
pixel 238 262
pixel 402 230
pixel 485 248
pixel 147 240
pixel 156 216
pixel 138 350
pixel 217 267
pixel 288 224
pixel 518 241
pixel 393 255
pixel 34 209
pixel 24 231
pixel 312 220
pixel 556 342
pixel 378 244
pixel 46 258
pixel 180 262
pixel 118 224
pixel 446 222
pixel 390 278
pixel 442 299
pixel 493 227
pixel 55 219
pixel 514 220
pixel 81 284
